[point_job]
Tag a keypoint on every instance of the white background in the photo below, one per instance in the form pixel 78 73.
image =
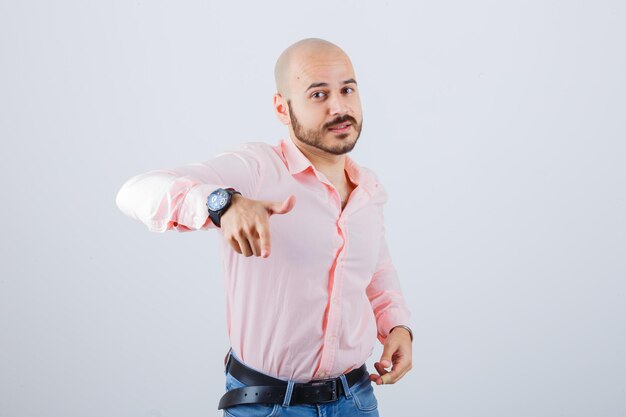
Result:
pixel 497 127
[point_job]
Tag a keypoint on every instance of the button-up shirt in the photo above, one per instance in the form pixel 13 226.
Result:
pixel 314 308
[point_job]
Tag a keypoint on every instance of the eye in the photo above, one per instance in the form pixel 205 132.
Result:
pixel 348 90
pixel 318 94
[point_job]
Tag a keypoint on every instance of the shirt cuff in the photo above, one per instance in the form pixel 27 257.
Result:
pixel 390 319
pixel 193 211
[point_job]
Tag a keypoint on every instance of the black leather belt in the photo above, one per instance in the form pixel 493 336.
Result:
pixel 262 388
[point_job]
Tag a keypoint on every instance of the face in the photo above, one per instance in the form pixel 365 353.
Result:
pixel 324 105
pixel 341 127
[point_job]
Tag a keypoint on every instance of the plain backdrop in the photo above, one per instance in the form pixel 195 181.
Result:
pixel 497 127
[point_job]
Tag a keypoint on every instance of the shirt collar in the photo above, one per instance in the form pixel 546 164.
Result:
pixel 297 162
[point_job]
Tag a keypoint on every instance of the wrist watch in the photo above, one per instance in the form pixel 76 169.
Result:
pixel 218 202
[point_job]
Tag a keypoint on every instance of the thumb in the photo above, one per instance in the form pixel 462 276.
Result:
pixel 281 207
pixel 385 359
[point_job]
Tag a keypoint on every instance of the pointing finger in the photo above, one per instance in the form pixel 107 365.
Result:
pixel 282 207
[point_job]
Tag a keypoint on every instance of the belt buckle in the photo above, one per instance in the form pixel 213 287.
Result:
pixel 333 387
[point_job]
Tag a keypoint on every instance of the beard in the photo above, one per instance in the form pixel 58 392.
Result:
pixel 315 137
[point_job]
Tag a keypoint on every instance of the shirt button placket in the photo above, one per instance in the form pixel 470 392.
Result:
pixel 333 321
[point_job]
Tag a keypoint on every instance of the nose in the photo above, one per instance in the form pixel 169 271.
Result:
pixel 337 105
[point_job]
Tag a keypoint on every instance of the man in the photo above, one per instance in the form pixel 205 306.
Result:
pixel 309 279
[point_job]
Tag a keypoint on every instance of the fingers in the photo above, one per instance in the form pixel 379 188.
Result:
pixel 252 242
pixel 241 244
pixel 246 249
pixel 384 376
pixel 398 358
pixel 397 372
pixel 246 225
pixel 255 245
pixel 377 378
pixel 234 244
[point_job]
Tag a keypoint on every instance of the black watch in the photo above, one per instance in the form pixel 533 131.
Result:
pixel 218 202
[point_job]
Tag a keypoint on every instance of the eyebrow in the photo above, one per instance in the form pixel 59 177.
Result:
pixel 315 85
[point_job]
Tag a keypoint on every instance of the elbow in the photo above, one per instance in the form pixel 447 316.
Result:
pixel 145 198
pixel 122 199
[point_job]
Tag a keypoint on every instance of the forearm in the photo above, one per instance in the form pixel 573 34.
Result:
pixel 176 198
pixel 162 200
pixel 385 295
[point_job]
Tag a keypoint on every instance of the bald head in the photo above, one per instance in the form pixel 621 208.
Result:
pixel 318 98
pixel 301 57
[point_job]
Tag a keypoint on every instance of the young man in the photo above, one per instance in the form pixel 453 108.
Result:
pixel 309 279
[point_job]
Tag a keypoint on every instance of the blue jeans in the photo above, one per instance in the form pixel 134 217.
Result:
pixel 357 400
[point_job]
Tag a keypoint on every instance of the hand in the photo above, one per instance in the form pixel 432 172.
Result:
pixel 397 351
pixel 246 223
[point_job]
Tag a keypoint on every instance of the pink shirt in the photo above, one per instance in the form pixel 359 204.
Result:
pixel 314 308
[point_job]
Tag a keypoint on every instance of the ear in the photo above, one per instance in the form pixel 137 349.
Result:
pixel 281 109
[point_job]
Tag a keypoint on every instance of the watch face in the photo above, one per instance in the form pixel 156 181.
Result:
pixel 218 200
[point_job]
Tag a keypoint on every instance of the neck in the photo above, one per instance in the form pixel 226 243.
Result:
pixel 330 164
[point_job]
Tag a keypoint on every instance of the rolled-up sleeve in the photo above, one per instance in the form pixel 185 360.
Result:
pixel 165 199
pixel 385 293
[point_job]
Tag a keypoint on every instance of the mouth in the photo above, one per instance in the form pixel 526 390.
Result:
pixel 340 128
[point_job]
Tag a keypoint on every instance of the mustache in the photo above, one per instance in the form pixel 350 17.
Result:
pixel 341 119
